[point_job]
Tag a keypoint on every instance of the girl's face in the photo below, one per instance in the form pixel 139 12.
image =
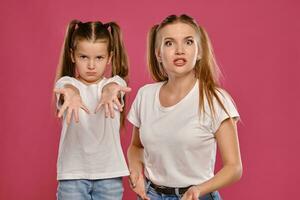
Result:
pixel 178 50
pixel 91 59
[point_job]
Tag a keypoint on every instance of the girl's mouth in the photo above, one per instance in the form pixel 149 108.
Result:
pixel 91 73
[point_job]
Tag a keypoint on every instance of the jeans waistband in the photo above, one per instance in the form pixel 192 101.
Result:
pixel 168 190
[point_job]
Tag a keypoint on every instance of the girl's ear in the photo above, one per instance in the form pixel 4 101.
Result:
pixel 110 57
pixel 72 55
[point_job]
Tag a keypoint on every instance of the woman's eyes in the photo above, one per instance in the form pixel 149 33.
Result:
pixel 188 42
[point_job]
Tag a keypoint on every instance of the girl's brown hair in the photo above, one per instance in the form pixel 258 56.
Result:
pixel 94 31
pixel 206 68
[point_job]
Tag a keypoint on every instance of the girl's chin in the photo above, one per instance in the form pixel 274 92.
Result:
pixel 90 80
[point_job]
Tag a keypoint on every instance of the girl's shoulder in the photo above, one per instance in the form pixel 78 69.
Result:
pixel 68 79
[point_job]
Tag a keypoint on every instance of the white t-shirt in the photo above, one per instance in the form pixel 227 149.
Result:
pixel 90 149
pixel 179 144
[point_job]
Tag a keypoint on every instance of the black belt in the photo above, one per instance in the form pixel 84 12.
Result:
pixel 168 190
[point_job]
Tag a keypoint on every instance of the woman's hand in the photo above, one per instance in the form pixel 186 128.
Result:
pixel 137 184
pixel 192 193
pixel 72 103
pixel 110 96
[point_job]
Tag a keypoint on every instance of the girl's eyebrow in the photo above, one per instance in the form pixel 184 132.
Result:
pixel 84 54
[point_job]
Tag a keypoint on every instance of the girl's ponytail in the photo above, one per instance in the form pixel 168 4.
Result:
pixel 65 65
pixel 119 56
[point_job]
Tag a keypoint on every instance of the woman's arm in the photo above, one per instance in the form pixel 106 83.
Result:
pixel 227 140
pixel 135 160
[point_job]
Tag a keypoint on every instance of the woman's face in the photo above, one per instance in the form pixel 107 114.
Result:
pixel 178 49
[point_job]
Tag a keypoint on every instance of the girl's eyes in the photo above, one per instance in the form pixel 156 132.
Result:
pixel 82 57
pixel 190 42
pixel 99 57
pixel 168 43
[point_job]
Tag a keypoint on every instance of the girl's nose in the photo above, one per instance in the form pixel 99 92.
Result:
pixel 91 65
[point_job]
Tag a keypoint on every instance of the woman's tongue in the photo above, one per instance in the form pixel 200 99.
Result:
pixel 179 62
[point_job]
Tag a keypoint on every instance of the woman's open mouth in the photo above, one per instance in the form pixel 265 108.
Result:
pixel 179 62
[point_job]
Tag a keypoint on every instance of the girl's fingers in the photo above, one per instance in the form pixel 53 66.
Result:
pixel 111 110
pixel 125 89
pixel 84 107
pixel 117 102
pixel 99 107
pixel 106 110
pixel 69 115
pixel 59 91
pixel 76 117
pixel 62 109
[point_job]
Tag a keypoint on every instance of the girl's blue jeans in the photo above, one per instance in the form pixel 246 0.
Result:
pixel 81 189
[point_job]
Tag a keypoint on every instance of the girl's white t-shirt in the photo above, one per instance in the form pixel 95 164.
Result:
pixel 179 143
pixel 90 149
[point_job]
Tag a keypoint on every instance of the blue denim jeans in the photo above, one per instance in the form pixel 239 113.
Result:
pixel 153 195
pixel 81 189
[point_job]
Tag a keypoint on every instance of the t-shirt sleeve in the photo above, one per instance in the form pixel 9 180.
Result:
pixel 221 114
pixel 60 83
pixel 134 115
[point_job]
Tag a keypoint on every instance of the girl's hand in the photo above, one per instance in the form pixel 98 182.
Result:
pixel 137 184
pixel 72 103
pixel 110 96
pixel 192 193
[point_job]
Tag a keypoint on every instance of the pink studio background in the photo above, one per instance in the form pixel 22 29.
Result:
pixel 256 43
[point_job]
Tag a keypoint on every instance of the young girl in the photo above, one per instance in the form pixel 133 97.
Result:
pixel 179 120
pixel 90 159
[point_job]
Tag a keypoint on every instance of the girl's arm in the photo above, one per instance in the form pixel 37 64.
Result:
pixel 72 102
pixel 110 95
pixel 231 171
pixel 135 161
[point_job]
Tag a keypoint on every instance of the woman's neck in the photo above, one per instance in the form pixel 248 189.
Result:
pixel 180 85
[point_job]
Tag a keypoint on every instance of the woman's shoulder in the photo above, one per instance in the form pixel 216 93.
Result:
pixel 223 93
pixel 149 88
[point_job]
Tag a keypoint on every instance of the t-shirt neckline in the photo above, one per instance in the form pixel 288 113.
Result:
pixel 169 108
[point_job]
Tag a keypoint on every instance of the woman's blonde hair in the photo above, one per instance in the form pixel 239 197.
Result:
pixel 206 68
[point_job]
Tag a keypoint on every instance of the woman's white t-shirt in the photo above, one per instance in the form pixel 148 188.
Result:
pixel 179 144
pixel 90 149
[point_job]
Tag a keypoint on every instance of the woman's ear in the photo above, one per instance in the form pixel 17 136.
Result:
pixel 199 56
pixel 72 55
pixel 158 55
